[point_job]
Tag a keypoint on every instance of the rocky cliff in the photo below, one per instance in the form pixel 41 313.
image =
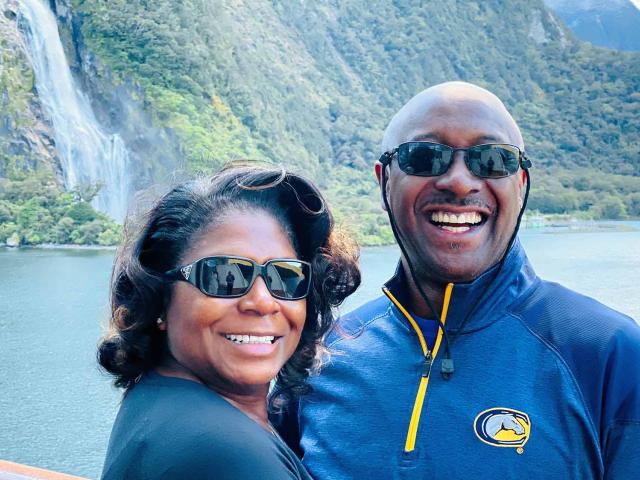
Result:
pixel 26 139
pixel 119 105
pixel 606 23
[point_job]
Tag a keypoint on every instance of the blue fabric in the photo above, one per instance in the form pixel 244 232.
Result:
pixel 560 363
pixel 429 329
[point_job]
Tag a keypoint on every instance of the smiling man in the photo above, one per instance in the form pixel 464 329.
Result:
pixel 469 365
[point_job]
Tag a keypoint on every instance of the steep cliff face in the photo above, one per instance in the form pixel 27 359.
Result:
pixel 26 139
pixel 189 85
pixel 119 105
pixel 35 206
pixel 606 23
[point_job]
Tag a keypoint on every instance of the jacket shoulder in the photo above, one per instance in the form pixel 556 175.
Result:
pixel 353 323
pixel 567 318
pixel 599 346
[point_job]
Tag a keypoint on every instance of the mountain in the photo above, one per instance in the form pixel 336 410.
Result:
pixel 190 85
pixel 606 23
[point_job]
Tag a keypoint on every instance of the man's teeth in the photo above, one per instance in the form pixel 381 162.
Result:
pixel 455 229
pixel 245 339
pixel 466 218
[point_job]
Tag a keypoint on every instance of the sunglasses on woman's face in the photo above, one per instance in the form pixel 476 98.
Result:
pixel 226 276
pixel 427 159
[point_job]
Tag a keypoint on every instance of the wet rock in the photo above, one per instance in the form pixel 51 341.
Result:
pixel 13 240
pixel 25 134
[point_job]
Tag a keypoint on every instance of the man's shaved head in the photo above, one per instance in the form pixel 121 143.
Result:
pixel 441 101
pixel 429 211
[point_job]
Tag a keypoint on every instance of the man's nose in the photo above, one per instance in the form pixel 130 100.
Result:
pixel 458 179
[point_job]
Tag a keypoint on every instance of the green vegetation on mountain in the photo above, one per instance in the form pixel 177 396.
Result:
pixel 33 208
pixel 34 211
pixel 312 85
pixel 587 192
pixel 607 23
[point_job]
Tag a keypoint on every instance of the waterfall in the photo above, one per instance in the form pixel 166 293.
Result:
pixel 88 154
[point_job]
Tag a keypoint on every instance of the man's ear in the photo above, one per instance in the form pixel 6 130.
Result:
pixel 523 177
pixel 378 168
pixel 522 189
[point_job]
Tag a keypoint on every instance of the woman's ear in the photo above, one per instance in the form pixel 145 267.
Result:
pixel 162 325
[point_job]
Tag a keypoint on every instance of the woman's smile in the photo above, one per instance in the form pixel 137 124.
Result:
pixel 242 341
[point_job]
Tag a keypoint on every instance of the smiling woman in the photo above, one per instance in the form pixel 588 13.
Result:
pixel 228 285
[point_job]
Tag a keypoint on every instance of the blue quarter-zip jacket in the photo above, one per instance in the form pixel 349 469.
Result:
pixel 546 386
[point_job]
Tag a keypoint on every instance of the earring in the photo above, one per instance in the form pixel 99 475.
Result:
pixel 159 321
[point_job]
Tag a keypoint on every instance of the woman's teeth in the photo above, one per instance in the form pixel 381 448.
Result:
pixel 246 339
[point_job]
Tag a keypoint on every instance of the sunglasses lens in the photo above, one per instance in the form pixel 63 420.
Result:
pixel 288 279
pixel 223 277
pixel 493 161
pixel 232 277
pixel 424 159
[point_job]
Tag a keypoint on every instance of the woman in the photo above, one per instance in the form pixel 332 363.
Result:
pixel 228 285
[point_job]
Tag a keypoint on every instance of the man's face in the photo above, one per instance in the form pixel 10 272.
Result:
pixel 454 226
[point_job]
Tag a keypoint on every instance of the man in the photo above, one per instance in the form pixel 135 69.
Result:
pixel 469 365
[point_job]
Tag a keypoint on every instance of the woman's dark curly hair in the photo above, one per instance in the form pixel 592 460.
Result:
pixel 140 294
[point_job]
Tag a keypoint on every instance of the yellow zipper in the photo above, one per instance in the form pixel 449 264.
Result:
pixel 429 356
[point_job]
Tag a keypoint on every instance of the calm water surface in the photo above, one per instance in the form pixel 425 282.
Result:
pixel 56 408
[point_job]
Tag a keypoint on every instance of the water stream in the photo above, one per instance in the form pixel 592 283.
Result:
pixel 88 155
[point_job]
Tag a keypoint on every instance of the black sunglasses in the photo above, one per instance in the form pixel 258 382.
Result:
pixel 427 159
pixel 226 276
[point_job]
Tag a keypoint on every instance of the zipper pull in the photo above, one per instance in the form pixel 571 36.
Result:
pixel 427 364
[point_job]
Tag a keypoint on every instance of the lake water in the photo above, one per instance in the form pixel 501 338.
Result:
pixel 56 408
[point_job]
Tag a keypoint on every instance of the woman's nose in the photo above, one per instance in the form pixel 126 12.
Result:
pixel 259 299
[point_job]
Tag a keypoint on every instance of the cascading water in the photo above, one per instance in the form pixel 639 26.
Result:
pixel 88 155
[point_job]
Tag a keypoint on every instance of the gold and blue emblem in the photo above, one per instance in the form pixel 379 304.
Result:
pixel 503 427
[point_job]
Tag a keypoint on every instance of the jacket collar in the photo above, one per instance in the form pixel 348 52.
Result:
pixel 483 299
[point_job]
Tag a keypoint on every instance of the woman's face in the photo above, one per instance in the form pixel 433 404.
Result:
pixel 198 326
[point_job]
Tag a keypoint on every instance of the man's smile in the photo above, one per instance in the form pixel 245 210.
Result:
pixel 456 222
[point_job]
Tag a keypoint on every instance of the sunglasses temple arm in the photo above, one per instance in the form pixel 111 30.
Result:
pixel 386 157
pixel 173 275
pixel 525 163
pixel 179 274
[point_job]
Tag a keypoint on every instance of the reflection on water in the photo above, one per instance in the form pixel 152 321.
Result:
pixel 56 408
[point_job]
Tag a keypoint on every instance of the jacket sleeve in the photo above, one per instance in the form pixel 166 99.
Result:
pixel 621 402
pixel 622 452
pixel 601 348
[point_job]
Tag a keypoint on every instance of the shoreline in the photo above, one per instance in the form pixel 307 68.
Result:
pixel 552 224
pixel 57 246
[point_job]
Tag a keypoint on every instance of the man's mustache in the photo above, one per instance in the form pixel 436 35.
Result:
pixel 458 202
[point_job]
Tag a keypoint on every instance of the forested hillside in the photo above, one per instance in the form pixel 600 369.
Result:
pixel 312 85
pixel 606 23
